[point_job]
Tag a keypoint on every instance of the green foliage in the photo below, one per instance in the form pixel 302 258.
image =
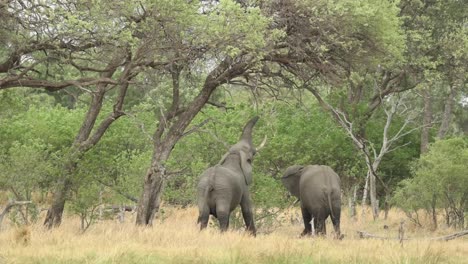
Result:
pixel 335 38
pixel 439 176
pixel 295 136
pixel 31 138
pixel 378 21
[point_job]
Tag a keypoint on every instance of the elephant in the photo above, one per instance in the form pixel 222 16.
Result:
pixel 318 189
pixel 223 187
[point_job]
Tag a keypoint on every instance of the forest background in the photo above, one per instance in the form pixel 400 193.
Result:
pixel 113 104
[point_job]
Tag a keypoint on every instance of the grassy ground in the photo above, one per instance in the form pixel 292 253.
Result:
pixel 176 239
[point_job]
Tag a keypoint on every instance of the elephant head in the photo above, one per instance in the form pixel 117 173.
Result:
pixel 245 149
pixel 291 179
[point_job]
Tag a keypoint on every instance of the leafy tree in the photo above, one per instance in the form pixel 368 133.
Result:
pixel 53 47
pixel 227 48
pixel 437 51
pixel 440 180
pixel 346 64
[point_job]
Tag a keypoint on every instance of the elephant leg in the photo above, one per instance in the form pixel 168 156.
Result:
pixel 203 219
pixel 319 225
pixel 307 217
pixel 336 224
pixel 222 213
pixel 246 207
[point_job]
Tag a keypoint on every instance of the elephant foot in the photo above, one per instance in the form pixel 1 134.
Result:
pixel 306 233
pixel 339 236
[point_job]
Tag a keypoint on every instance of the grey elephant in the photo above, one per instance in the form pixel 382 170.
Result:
pixel 318 189
pixel 223 187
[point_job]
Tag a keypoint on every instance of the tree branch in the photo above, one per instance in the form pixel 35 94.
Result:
pixel 10 205
pixel 52 86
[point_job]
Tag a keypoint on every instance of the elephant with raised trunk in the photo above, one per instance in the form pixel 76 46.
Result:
pixel 226 185
pixel 318 189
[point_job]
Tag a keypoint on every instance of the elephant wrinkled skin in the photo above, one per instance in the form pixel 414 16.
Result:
pixel 223 187
pixel 318 189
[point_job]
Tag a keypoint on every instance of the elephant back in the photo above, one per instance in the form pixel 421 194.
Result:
pixel 321 176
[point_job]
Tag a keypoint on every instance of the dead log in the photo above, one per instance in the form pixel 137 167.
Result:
pixel 452 236
pixel 364 234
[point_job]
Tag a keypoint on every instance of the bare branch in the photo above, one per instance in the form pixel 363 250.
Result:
pixel 364 234
pixel 213 135
pixel 220 105
pixel 196 127
pixel 52 86
pixel 10 205
pixel 117 190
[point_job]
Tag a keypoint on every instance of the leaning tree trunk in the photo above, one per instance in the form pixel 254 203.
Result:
pixel 62 189
pixel 86 140
pixel 171 129
pixel 55 211
pixel 150 199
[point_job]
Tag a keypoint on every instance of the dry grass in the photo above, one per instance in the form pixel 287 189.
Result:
pixel 177 240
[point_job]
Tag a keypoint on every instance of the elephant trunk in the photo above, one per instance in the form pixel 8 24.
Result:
pixel 247 132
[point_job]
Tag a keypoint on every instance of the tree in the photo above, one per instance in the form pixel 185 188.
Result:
pixel 227 46
pixel 437 51
pixel 337 44
pixel 56 45
pixel 439 180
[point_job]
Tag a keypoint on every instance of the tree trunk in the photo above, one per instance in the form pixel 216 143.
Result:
pixel 386 205
pixel 352 203
pixel 427 120
pixel 101 205
pixel 434 212
pixel 153 187
pixel 373 195
pixel 171 129
pixel 85 140
pixel 122 214
pixel 151 197
pixel 55 212
pixel 62 189
pixel 447 117
pixel 364 196
pixel 447 216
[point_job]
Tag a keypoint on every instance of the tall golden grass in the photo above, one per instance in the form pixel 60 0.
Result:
pixel 176 239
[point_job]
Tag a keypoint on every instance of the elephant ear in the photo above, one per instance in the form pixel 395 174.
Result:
pixel 246 166
pixel 291 179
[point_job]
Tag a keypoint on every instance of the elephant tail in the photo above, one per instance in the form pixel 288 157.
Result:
pixel 203 207
pixel 330 205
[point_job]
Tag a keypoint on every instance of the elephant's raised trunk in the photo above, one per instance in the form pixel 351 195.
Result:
pixel 247 133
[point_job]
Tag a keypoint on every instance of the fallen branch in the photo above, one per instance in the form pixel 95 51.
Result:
pixel 364 234
pixel 8 207
pixel 452 236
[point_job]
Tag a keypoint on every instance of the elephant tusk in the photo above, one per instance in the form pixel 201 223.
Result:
pixel 262 144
